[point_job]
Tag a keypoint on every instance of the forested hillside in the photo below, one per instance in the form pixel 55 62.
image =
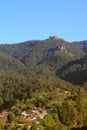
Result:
pixel 49 75
pixel 75 71
pixel 51 53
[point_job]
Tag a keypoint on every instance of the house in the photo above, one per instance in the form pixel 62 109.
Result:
pixel 25 114
pixel 67 92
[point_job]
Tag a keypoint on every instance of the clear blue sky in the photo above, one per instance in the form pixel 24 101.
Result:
pixel 22 20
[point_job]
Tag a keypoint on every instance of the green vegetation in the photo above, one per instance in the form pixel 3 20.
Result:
pixel 75 71
pixel 47 77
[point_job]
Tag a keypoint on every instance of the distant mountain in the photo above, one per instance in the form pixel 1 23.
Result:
pixel 41 57
pixel 83 43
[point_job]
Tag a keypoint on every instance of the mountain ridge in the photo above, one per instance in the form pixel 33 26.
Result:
pixel 37 55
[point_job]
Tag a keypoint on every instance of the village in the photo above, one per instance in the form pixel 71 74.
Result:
pixel 24 116
pixel 16 117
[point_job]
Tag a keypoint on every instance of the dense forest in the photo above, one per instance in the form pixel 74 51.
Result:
pixel 44 75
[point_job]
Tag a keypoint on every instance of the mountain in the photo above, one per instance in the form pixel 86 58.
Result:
pixel 84 44
pixel 45 75
pixel 37 55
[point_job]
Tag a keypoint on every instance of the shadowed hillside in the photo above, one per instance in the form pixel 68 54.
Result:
pixel 74 71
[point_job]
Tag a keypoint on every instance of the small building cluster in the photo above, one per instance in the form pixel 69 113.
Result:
pixel 33 115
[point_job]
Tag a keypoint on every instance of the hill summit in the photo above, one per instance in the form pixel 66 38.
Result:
pixel 54 38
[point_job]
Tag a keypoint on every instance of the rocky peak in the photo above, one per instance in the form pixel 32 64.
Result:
pixel 53 38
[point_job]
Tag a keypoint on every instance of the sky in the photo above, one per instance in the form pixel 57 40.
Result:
pixel 22 20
